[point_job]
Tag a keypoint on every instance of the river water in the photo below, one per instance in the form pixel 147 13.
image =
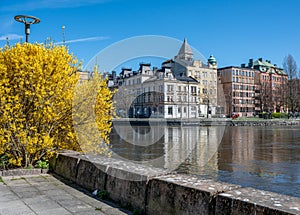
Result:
pixel 266 158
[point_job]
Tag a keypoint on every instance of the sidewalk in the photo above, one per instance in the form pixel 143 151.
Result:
pixel 45 194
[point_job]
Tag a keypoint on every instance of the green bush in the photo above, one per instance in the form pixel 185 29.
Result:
pixel 279 115
pixel 43 164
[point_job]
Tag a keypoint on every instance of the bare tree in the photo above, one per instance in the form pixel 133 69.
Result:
pixel 290 67
pixel 123 100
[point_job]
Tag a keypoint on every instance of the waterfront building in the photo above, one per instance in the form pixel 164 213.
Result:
pixel 184 64
pixel 183 88
pixel 271 86
pixel 156 93
pixel 250 89
pixel 239 89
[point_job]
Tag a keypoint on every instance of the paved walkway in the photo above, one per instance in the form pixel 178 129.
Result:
pixel 45 194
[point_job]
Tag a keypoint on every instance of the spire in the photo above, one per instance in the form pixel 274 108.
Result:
pixel 185 52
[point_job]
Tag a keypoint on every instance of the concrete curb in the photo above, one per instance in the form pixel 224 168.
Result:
pixel 19 172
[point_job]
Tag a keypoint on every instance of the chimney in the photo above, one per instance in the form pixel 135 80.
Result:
pixel 250 64
pixel 243 65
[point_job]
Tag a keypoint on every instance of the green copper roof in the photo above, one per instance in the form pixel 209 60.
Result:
pixel 264 66
pixel 212 59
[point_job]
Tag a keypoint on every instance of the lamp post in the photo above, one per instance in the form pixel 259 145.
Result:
pixel 27 20
pixel 63 34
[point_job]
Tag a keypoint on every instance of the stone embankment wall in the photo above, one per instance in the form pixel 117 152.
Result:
pixel 156 191
pixel 265 123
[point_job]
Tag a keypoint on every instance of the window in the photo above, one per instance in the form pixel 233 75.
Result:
pixel 170 110
pixel 179 88
pixel 236 79
pixel 170 88
pixel 193 89
pixel 161 88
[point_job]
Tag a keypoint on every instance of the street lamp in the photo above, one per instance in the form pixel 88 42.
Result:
pixel 27 20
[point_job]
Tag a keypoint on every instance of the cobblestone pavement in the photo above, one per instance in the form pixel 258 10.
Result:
pixel 46 194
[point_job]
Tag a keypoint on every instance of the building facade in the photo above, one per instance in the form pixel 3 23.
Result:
pixel 250 89
pixel 239 90
pixel 271 86
pixel 184 64
pixel 156 93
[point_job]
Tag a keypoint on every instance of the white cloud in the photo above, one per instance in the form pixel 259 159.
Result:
pixel 11 37
pixel 31 5
pixel 82 40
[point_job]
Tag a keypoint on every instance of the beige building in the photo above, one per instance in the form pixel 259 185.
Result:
pixel 184 64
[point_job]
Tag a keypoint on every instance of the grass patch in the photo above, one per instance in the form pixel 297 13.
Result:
pixel 98 209
pixel 1 180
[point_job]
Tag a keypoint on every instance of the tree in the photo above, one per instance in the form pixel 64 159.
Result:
pixel 37 84
pixel 92 114
pixel 290 67
pixel 124 99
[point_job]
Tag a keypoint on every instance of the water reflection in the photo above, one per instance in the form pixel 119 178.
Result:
pixel 172 146
pixel 261 157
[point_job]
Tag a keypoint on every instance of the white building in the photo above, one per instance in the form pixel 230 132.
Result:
pixel 157 93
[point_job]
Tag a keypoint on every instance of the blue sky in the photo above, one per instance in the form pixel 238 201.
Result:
pixel 232 30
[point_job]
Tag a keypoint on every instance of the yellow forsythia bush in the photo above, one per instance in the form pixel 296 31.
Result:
pixel 37 87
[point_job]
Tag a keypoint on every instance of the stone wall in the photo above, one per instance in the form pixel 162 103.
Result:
pixel 156 191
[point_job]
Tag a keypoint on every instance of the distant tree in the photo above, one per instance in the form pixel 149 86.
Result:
pixel 123 100
pixel 290 67
pixel 280 98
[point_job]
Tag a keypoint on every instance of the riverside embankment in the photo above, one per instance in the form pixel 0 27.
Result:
pixel 157 191
pixel 243 121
